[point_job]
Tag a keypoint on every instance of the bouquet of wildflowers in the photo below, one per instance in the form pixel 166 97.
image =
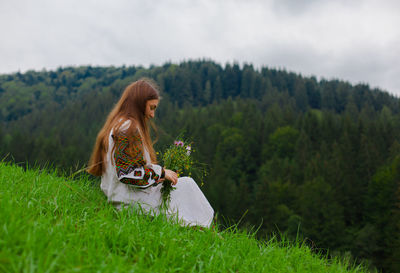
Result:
pixel 178 158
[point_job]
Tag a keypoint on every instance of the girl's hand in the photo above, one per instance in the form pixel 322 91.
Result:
pixel 171 176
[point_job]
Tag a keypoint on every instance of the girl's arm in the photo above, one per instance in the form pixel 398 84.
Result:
pixel 130 165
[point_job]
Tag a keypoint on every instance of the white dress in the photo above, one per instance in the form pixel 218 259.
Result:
pixel 188 202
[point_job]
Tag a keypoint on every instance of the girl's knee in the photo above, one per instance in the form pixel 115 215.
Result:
pixel 186 182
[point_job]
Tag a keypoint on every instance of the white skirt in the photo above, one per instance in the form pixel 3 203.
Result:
pixel 188 203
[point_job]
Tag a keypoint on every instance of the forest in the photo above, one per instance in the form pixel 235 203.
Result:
pixel 316 160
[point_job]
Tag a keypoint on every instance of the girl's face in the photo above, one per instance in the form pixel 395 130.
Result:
pixel 151 106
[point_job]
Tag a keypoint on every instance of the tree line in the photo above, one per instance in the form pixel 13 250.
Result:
pixel 315 159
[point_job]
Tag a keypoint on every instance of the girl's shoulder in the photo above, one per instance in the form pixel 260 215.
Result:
pixel 127 128
pixel 124 126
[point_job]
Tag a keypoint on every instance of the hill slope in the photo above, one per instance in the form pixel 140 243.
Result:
pixel 53 224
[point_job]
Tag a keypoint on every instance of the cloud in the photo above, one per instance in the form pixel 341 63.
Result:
pixel 355 41
pixel 295 7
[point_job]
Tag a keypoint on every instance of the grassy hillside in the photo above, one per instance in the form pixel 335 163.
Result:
pixel 55 224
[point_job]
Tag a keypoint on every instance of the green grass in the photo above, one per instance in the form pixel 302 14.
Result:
pixel 50 223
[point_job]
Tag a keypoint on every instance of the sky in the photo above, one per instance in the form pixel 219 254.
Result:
pixel 356 41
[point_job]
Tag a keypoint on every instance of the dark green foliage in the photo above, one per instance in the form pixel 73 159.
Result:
pixel 314 159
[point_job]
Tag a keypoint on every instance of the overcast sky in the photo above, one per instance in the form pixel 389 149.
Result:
pixel 356 41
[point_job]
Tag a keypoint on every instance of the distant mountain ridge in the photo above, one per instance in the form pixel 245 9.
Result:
pixel 194 82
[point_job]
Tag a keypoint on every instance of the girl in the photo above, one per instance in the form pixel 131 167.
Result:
pixel 125 159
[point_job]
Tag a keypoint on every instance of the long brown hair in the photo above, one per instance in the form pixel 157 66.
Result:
pixel 131 106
